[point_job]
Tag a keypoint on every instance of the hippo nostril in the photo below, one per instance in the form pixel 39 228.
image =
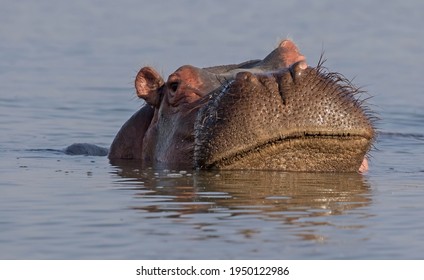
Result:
pixel 245 76
pixel 297 69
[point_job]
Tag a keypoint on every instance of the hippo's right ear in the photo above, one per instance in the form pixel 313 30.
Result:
pixel 147 84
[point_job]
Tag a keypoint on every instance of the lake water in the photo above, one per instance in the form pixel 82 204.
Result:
pixel 66 76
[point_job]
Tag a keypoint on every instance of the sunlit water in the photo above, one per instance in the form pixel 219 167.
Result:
pixel 66 76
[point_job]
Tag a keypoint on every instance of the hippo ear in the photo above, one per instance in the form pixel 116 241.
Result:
pixel 290 53
pixel 147 84
pixel 286 54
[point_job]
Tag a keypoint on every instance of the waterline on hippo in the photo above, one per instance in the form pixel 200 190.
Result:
pixel 277 113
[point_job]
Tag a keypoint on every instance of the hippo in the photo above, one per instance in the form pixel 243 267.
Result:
pixel 276 113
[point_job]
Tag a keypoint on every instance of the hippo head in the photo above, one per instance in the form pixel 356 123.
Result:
pixel 277 113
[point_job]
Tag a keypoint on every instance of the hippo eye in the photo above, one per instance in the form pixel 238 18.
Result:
pixel 174 86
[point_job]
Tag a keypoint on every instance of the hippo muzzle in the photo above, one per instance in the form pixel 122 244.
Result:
pixel 295 119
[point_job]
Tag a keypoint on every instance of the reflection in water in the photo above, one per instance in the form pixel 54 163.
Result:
pixel 297 200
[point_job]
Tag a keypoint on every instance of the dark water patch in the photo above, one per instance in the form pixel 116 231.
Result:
pixel 418 136
pixel 55 151
pixel 85 149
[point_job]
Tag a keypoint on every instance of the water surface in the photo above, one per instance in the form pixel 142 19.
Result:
pixel 66 76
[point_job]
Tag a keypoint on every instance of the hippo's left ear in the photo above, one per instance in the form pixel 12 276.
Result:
pixel 147 84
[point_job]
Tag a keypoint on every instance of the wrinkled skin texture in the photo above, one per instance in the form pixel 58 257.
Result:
pixel 277 113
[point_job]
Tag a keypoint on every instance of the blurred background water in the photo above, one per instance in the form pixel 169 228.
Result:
pixel 66 76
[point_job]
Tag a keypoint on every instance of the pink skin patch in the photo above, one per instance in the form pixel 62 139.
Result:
pixel 291 53
pixel 364 166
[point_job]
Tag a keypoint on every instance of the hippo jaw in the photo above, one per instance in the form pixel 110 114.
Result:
pixel 335 153
pixel 296 119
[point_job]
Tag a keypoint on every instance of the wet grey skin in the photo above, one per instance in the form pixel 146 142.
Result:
pixel 295 119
